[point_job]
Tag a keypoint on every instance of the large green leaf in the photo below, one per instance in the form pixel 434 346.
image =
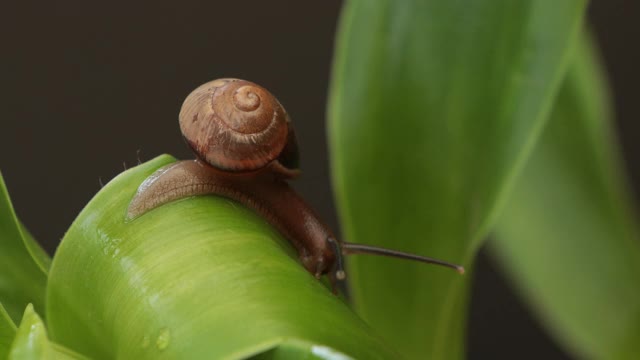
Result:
pixel 31 341
pixel 434 107
pixel 7 332
pixel 568 236
pixel 198 278
pixel 23 263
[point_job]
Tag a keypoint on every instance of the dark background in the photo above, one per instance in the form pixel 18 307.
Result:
pixel 85 87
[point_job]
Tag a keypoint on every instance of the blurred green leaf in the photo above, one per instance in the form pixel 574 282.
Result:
pixel 23 263
pixel 198 278
pixel 7 332
pixel 568 237
pixel 434 107
pixel 31 342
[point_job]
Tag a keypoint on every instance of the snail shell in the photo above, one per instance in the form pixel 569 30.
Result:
pixel 238 126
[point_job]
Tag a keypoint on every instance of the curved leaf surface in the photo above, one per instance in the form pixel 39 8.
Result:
pixel 569 237
pixel 7 332
pixel 434 107
pixel 202 277
pixel 23 263
pixel 31 341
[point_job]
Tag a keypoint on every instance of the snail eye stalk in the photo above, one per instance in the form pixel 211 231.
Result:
pixel 338 269
pixel 349 249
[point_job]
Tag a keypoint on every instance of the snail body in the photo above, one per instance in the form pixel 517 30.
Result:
pixel 261 191
pixel 246 151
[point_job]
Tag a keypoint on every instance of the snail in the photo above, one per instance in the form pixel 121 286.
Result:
pixel 246 150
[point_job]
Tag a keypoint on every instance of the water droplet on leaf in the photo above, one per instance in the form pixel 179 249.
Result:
pixel 163 339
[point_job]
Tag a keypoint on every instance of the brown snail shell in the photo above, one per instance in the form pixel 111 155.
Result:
pixel 238 126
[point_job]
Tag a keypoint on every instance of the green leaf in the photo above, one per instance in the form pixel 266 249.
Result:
pixel 568 237
pixel 202 277
pixel 23 263
pixel 7 332
pixel 299 350
pixel 31 342
pixel 434 107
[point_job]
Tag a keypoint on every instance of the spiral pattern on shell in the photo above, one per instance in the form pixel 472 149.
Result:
pixel 234 125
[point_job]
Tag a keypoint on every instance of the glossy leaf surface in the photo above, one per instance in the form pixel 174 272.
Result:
pixel 200 278
pixel 569 237
pixel 434 107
